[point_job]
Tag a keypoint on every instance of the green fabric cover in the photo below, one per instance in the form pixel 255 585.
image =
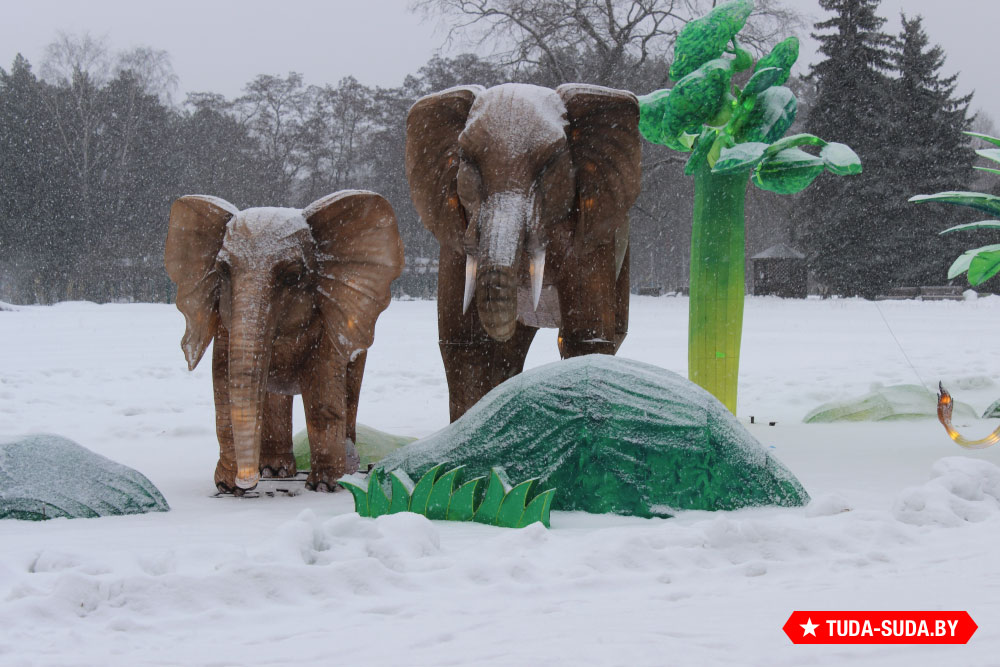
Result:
pixel 611 435
pixel 47 476
pixel 900 401
pixel 992 412
pixel 372 445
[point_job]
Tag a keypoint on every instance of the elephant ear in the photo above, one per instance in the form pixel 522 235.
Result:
pixel 194 236
pixel 432 128
pixel 358 255
pixel 603 133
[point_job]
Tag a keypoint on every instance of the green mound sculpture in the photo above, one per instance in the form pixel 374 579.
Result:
pixel 612 435
pixel 372 445
pixel 895 402
pixel 47 476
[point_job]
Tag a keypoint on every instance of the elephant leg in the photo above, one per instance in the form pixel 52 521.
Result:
pixel 622 291
pixel 587 303
pixel 225 470
pixel 473 368
pixel 276 458
pixel 355 373
pixel 324 389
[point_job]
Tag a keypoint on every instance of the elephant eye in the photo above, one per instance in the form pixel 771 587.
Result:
pixel 222 269
pixel 291 277
pixel 470 182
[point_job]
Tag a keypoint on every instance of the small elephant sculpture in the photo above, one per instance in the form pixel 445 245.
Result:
pixel 290 297
pixel 527 190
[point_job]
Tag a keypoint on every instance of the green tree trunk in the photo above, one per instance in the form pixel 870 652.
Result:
pixel 715 323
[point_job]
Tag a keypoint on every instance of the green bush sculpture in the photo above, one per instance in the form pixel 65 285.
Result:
pixel 980 264
pixel 436 497
pixel 893 403
pixel 372 446
pixel 733 135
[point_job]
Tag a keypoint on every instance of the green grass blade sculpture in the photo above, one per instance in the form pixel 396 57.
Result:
pixel 732 135
pixel 436 497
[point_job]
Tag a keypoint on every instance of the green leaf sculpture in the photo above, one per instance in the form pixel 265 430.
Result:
pixel 707 38
pixel 980 264
pixel 733 136
pixel 436 497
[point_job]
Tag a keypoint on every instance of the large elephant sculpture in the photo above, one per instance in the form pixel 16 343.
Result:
pixel 290 298
pixel 527 190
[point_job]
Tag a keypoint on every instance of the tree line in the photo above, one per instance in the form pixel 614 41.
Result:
pixel 93 150
pixel 887 97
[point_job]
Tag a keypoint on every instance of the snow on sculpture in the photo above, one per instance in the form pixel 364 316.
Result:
pixel 732 134
pixel 290 298
pixel 527 190
pixel 45 476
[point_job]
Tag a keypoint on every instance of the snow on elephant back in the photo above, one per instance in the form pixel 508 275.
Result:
pixel 612 435
pixel 47 476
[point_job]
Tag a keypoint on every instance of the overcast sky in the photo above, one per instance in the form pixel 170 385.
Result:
pixel 219 45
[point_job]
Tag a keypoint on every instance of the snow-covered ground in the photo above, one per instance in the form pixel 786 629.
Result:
pixel 901 518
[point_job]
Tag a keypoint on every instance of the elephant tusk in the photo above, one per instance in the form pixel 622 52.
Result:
pixel 470 282
pixel 944 410
pixel 536 269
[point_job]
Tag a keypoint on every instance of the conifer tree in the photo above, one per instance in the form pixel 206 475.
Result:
pixel 932 154
pixel 844 218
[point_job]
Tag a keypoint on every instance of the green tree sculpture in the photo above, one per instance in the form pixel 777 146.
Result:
pixel 732 134
pixel 983 263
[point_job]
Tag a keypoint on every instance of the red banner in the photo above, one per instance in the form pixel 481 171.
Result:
pixel 880 627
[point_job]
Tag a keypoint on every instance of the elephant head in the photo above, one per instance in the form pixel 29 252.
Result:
pixel 495 172
pixel 277 279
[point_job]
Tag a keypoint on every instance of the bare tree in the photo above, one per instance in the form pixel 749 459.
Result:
pixel 76 68
pixel 983 123
pixel 82 66
pixel 151 68
pixel 341 120
pixel 275 110
pixel 71 56
pixel 614 36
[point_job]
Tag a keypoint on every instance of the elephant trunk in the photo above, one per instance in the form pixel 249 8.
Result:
pixel 250 340
pixel 503 227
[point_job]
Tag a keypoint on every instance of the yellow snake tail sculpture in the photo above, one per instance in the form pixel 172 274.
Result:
pixel 945 406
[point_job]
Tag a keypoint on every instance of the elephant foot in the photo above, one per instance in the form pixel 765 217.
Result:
pixel 324 482
pixel 231 489
pixel 322 487
pixel 225 481
pixel 280 467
